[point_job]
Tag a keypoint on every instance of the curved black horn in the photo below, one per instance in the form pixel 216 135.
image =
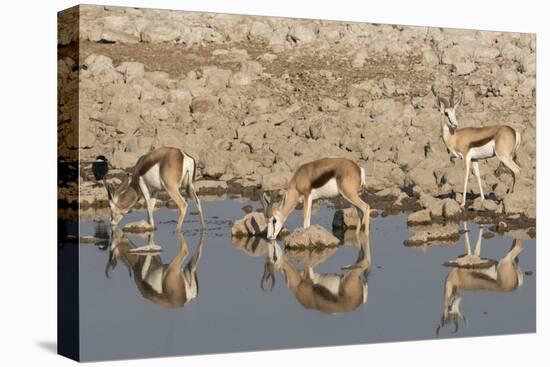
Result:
pixel 452 98
pixel 440 100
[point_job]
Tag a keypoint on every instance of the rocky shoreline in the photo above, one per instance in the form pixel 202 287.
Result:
pixel 251 98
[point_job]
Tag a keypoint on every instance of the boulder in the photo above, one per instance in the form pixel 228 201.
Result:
pixel 211 165
pixel 518 201
pixel 423 176
pixel 253 224
pixel 389 193
pixel 160 32
pixel 141 226
pixel 464 68
pixel 92 195
pixel 301 33
pixel 203 104
pixel 311 258
pixel 131 71
pixel 248 73
pixel 486 205
pixel 430 58
pixel 210 187
pixel 329 105
pixel 251 245
pixel 420 217
pixel 360 58
pixel 275 181
pixel 259 106
pixel 241 167
pixel 345 218
pixel 119 28
pixel 260 31
pixel 101 69
pixel 313 236
pixel 451 209
pixel 470 262
pixel 434 233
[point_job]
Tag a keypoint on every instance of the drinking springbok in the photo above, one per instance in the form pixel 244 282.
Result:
pixel 164 168
pixel 167 285
pixel 321 179
pixel 326 293
pixel 471 272
pixel 473 144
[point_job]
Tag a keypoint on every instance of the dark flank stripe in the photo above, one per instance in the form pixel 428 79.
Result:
pixel 324 293
pixel 481 142
pixel 322 179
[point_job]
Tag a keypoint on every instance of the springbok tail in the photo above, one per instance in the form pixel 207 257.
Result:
pixel 363 179
pixel 518 141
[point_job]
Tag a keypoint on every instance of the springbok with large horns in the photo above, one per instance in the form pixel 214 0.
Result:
pixel 473 144
pixel 321 179
pixel 164 168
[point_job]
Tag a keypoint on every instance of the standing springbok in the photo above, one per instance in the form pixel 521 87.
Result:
pixel 321 179
pixel 165 284
pixel 164 168
pixel 326 293
pixel 473 144
pixel 471 272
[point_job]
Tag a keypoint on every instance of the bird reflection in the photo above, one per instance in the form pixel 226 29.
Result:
pixel 328 293
pixel 472 272
pixel 167 284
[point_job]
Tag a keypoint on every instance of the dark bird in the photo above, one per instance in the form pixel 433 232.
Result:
pixel 100 167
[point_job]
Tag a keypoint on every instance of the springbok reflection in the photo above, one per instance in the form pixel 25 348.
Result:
pixel 327 293
pixel 472 272
pixel 168 284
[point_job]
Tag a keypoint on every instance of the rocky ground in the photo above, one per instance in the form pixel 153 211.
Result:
pixel 253 97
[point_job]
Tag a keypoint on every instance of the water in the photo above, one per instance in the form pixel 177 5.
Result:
pixel 122 318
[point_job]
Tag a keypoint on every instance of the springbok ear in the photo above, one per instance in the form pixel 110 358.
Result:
pixel 265 199
pixel 283 199
pixel 440 105
pixel 125 183
pixel 110 190
pixel 440 102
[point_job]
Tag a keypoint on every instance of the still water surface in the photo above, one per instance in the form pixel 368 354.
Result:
pixel 217 304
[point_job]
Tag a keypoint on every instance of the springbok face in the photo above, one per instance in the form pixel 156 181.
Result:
pixel 273 263
pixel 272 216
pixel 448 107
pixel 117 200
pixel 451 311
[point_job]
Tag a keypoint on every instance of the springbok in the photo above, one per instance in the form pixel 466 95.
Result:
pixel 321 179
pixel 327 293
pixel 167 285
pixel 164 168
pixel 473 144
pixel 471 272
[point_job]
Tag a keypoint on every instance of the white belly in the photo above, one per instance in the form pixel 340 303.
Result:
pixel 328 190
pixel 152 178
pixel 483 152
pixel 330 282
pixel 191 289
pixel 154 278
